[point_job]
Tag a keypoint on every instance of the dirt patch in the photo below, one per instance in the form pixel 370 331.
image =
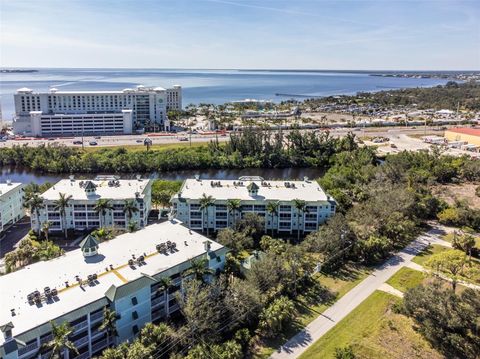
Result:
pixel 462 192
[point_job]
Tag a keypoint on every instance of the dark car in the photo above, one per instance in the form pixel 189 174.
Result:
pixel 93 143
pixel 77 142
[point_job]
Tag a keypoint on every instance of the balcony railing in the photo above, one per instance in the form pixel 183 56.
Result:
pixel 96 317
pixel 80 326
pixel 83 355
pixel 81 341
pixel 158 300
pixel 27 349
pixel 100 345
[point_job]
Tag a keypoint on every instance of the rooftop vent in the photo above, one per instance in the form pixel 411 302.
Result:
pixel 197 177
pixel 72 178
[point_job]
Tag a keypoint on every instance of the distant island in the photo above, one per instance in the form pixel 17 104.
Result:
pixel 8 71
pixel 463 76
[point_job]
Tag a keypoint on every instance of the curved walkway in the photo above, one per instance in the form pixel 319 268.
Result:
pixel 330 317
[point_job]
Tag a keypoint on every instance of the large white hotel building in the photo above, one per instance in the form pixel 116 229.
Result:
pixel 80 212
pixel 254 193
pixel 121 274
pixel 67 113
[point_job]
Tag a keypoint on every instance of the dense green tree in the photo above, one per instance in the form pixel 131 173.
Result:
pixel 202 309
pixel 449 262
pixel 275 316
pixel 236 241
pixel 447 320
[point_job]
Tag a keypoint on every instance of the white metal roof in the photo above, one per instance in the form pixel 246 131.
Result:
pixel 125 189
pixel 308 190
pixel 53 273
pixel 7 187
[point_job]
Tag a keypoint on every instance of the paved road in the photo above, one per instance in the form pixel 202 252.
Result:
pixel 13 235
pixel 328 319
pixel 174 138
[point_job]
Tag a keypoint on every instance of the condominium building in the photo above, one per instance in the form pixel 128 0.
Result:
pixel 121 274
pixel 254 194
pixel 11 203
pixel 93 112
pixel 80 213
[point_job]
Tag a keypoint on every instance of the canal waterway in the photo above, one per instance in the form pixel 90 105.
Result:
pixel 16 174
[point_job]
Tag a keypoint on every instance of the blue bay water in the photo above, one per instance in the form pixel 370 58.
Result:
pixel 207 86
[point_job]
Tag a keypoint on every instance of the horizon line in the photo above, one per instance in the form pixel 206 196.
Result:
pixel 234 69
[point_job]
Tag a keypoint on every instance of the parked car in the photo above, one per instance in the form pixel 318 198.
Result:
pixel 51 139
pixel 97 137
pixel 139 141
pixel 77 142
pixel 93 143
pixel 183 139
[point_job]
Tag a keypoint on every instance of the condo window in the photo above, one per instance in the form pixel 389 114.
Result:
pixel 134 300
pixel 134 315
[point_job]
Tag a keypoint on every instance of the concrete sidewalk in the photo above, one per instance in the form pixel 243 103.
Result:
pixel 330 317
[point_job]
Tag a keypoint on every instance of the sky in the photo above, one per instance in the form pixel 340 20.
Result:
pixel 247 34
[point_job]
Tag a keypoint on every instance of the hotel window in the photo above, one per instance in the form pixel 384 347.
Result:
pixel 134 315
pixel 135 329
pixel 134 300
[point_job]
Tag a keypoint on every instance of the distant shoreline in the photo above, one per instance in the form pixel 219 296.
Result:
pixel 15 71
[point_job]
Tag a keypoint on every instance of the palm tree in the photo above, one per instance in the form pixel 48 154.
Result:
pixel 130 208
pixel 109 324
pixel 300 207
pixel 132 226
pixel 198 269
pixel 46 228
pixel 34 205
pixel 61 205
pixel 60 340
pixel 102 206
pixel 272 209
pixel 165 284
pixel 205 203
pixel 233 206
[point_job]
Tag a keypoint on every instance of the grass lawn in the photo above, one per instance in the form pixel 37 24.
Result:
pixel 406 278
pixel 154 147
pixel 307 311
pixel 428 252
pixel 374 331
